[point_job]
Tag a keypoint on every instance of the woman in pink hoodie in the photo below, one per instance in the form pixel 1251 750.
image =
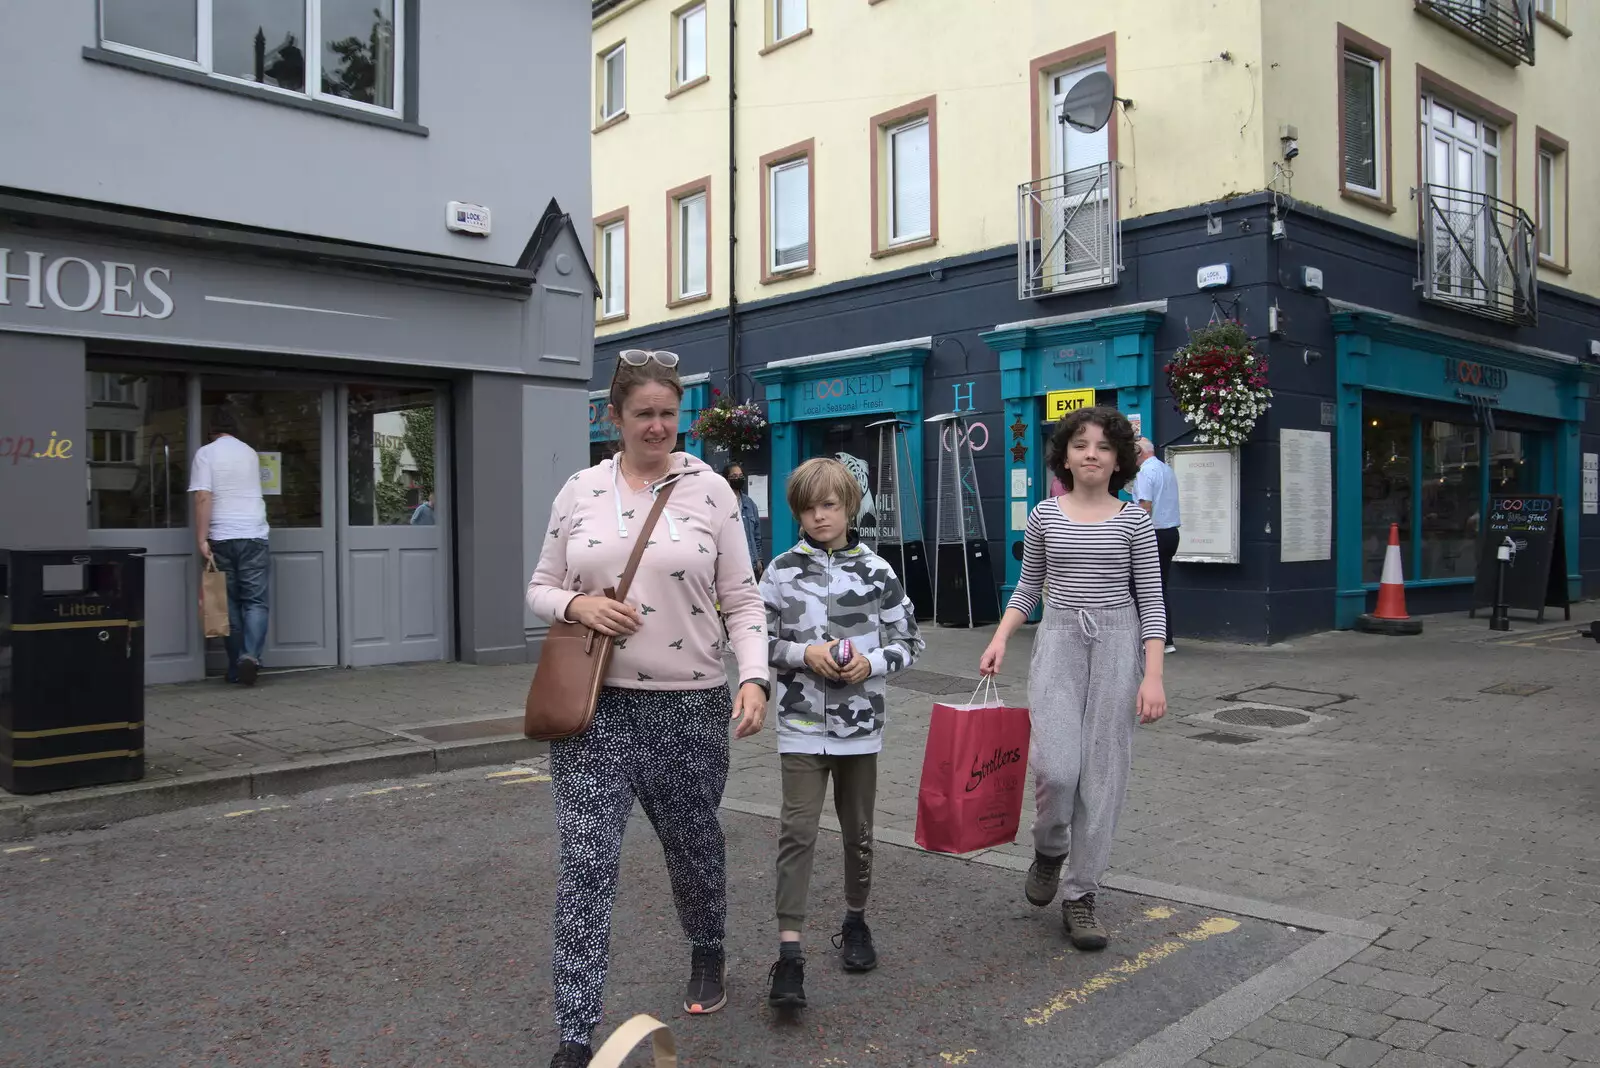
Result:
pixel 660 730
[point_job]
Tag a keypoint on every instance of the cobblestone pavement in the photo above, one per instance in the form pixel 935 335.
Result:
pixel 1444 786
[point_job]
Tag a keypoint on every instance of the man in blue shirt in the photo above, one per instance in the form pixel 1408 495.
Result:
pixel 1156 490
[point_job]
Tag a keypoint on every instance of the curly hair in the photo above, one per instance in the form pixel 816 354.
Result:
pixel 1117 430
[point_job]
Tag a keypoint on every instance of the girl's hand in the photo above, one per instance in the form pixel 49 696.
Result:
pixel 1152 700
pixel 750 709
pixel 989 663
pixel 604 615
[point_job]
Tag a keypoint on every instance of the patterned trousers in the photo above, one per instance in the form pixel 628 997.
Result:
pixel 669 751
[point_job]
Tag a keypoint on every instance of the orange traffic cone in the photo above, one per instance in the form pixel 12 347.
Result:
pixel 1390 617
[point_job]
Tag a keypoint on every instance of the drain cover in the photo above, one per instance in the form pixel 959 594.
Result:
pixel 932 682
pixel 1515 689
pixel 461 732
pixel 1257 716
pixel 1224 738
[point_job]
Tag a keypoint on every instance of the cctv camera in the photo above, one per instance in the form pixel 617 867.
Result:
pixel 1291 148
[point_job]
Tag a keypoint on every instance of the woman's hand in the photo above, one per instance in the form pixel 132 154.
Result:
pixel 1152 700
pixel 604 615
pixel 989 663
pixel 750 709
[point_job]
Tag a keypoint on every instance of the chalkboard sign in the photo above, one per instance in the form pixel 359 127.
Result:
pixel 1537 574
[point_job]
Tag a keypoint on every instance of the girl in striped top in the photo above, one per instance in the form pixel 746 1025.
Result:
pixel 1089 677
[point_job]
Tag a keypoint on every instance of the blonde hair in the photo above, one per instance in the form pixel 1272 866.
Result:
pixel 819 478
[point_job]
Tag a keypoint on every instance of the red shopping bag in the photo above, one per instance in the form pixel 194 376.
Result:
pixel 973 771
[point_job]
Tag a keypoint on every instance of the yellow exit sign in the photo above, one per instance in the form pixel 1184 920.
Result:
pixel 1057 403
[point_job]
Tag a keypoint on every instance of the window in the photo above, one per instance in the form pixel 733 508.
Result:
pixel 1546 8
pixel 137 452
pixel 1463 150
pixel 347 51
pixel 1363 125
pixel 786 192
pixel 1452 498
pixel 613 266
pixel 788 19
pixel 691 33
pixel 613 89
pixel 904 174
pixel 1550 194
pixel 688 222
pixel 1386 450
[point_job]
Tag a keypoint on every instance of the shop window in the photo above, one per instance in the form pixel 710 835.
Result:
pixel 284 426
pixel 1452 498
pixel 356 61
pixel 392 435
pixel 1386 442
pixel 137 450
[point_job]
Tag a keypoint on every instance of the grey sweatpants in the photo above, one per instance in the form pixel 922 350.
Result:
pixel 1083 688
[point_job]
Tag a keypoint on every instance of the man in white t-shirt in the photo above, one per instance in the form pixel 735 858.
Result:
pixel 230 522
pixel 1156 489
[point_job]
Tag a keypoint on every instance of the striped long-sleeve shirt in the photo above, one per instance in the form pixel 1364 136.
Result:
pixel 1088 565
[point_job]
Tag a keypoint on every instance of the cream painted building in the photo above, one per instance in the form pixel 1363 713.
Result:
pixel 1356 174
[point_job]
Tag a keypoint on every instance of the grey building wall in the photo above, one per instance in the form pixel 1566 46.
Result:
pixel 556 443
pixel 41 399
pixel 490 127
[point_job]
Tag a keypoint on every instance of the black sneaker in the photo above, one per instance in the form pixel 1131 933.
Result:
pixel 788 983
pixel 708 973
pixel 1082 927
pixel 1044 878
pixel 572 1055
pixel 855 945
pixel 248 669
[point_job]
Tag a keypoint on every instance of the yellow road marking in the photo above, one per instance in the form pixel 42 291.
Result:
pixel 46 860
pixel 20 849
pixel 374 793
pixel 957 1058
pixel 1159 913
pixel 506 774
pixel 249 811
pixel 1120 973
pixel 530 778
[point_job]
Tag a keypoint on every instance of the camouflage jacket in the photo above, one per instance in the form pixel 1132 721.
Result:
pixel 814 596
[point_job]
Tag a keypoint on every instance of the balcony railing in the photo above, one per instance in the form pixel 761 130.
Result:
pixel 1069 232
pixel 1476 253
pixel 1504 26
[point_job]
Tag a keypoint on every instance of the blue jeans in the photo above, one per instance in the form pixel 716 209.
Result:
pixel 247 564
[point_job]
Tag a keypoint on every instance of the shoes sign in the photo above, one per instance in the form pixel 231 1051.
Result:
pixel 29 279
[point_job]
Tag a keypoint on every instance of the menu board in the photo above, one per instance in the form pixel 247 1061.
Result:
pixel 1305 471
pixel 1208 500
pixel 1537 574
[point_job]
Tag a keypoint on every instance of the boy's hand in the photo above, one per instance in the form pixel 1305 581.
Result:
pixel 819 661
pixel 858 670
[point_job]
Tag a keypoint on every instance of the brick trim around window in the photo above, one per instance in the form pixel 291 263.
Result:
pixel 877 129
pixel 600 223
pixel 1084 52
pixel 805 150
pixel 1543 139
pixel 1349 40
pixel 1430 82
pixel 675 241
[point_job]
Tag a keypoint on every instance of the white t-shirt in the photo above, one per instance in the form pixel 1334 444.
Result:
pixel 231 471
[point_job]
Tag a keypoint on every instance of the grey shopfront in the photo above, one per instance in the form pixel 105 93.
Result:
pixel 369 381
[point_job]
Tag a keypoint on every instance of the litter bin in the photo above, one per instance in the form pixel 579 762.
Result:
pixel 71 668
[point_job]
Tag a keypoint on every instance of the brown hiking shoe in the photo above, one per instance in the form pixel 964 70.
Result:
pixel 1082 927
pixel 1044 878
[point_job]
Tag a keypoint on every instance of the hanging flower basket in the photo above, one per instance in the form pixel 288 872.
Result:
pixel 1219 383
pixel 733 428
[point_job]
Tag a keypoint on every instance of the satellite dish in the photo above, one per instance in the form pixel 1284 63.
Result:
pixel 1087 106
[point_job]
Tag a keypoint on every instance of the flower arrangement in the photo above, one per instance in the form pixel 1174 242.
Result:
pixel 1219 383
pixel 733 428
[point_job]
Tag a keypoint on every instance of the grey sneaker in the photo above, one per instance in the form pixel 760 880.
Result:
pixel 1082 927
pixel 1044 878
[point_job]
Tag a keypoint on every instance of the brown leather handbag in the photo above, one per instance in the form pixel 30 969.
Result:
pixel 574 659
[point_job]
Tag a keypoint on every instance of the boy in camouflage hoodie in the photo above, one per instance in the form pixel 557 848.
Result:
pixel 827 589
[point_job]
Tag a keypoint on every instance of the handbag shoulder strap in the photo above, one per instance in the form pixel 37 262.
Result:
pixel 644 539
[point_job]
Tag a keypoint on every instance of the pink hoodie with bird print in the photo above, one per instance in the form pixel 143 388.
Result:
pixel 697 557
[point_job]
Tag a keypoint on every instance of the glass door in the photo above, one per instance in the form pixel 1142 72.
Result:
pixel 292 429
pixel 394 532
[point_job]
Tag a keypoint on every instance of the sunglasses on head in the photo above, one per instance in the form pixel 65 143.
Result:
pixel 640 357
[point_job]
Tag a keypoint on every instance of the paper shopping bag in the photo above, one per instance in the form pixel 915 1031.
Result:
pixel 973 772
pixel 625 1039
pixel 214 601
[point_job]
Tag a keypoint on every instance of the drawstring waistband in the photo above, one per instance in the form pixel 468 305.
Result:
pixel 1091 628
pixel 1092 622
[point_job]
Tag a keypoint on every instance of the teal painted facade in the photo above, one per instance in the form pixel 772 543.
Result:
pixel 696 398
pixel 1112 351
pixel 883 383
pixel 1379 357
